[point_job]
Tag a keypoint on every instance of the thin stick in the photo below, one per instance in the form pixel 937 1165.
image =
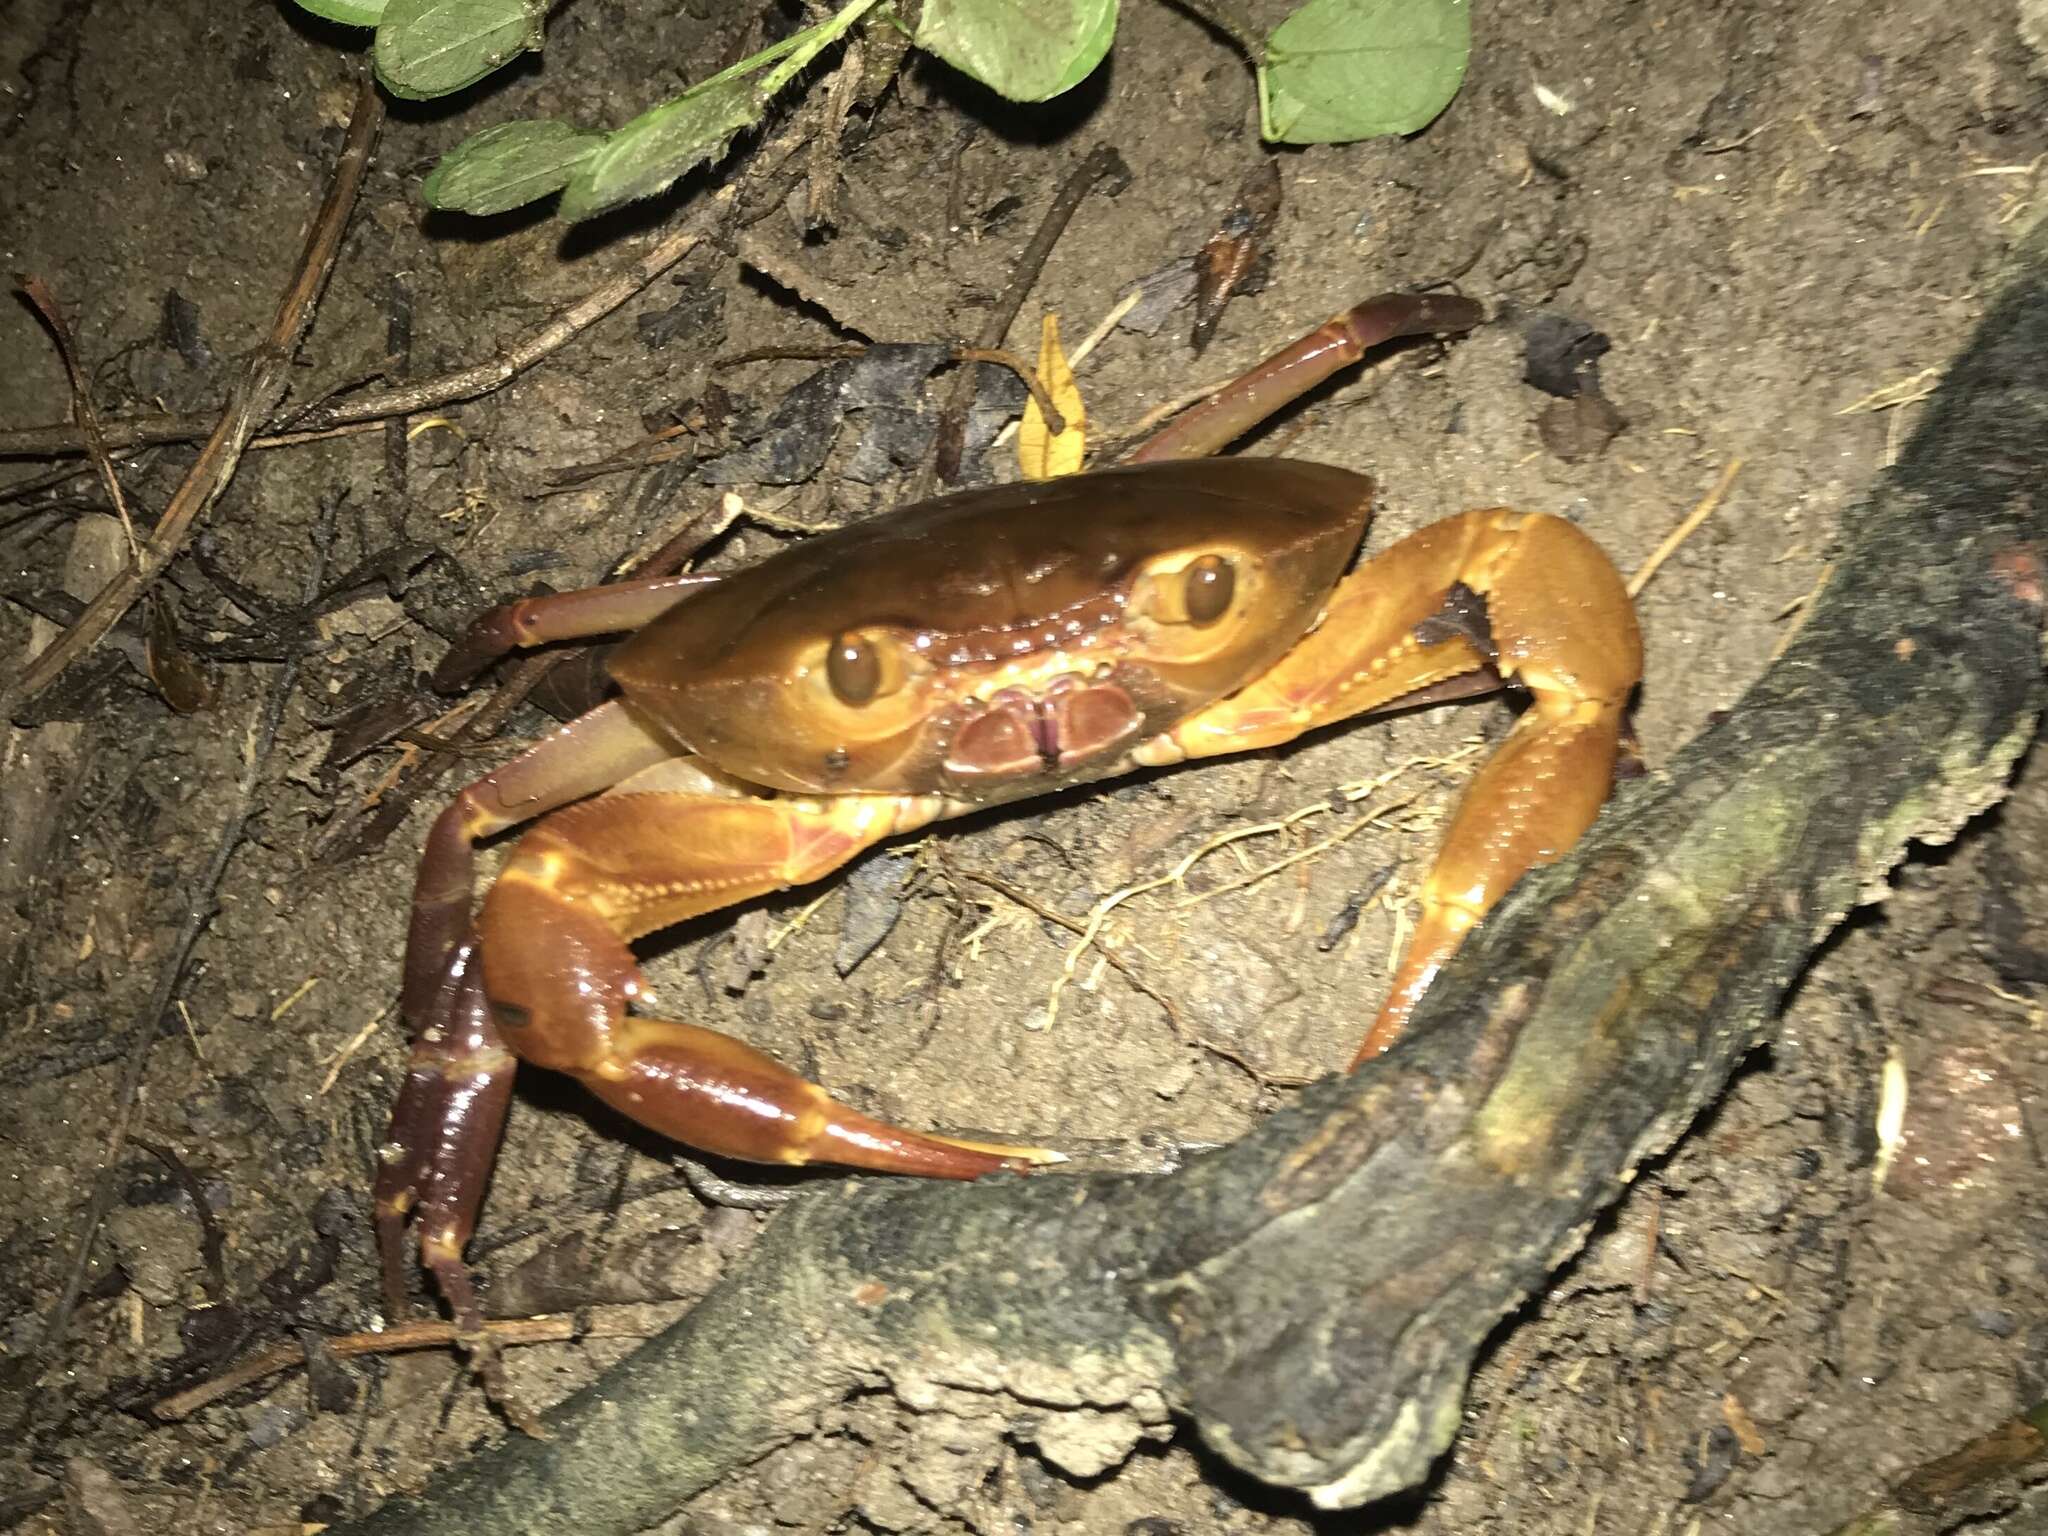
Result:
pixel 1105 326
pixel 1002 357
pixel 342 1057
pixel 552 1328
pixel 43 480
pixel 1251 877
pixel 1074 925
pixel 1080 354
pixel 45 301
pixel 1684 530
pixel 406 399
pixel 951 441
pixel 262 384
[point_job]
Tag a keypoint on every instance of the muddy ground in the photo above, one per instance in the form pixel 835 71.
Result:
pixel 1772 211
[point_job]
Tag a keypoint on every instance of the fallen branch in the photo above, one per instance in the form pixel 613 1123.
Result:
pixel 1312 1297
pixel 83 410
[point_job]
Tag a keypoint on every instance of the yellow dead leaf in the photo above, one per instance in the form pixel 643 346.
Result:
pixel 1042 454
pixel 1747 1435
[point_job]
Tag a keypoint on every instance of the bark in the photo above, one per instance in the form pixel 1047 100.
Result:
pixel 1312 1297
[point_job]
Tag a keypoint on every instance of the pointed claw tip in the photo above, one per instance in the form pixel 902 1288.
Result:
pixel 1026 1159
pixel 1010 1159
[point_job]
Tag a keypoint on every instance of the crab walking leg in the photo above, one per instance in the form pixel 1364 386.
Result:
pixel 445 1125
pixel 588 880
pixel 1525 595
pixel 444 1137
pixel 591 753
pixel 1298 367
pixel 607 610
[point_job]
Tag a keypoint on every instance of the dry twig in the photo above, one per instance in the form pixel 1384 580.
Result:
pixel 1684 530
pixel 951 440
pixel 46 304
pixel 254 396
pixel 375 406
pixel 436 1334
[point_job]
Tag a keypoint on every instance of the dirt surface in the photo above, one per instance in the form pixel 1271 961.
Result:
pixel 1769 211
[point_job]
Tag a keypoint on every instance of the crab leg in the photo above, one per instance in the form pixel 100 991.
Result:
pixel 445 1125
pixel 443 1138
pixel 589 879
pixel 545 972
pixel 609 609
pixel 1525 596
pixel 1297 368
pixel 591 753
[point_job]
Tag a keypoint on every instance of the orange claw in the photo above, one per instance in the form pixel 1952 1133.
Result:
pixel 1563 627
pixel 560 977
pixel 1517 596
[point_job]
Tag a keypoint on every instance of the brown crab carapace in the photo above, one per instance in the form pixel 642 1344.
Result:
pixel 978 648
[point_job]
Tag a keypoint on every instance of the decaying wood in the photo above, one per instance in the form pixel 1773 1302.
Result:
pixel 1312 1297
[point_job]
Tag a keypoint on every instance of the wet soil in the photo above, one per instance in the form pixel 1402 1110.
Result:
pixel 1771 212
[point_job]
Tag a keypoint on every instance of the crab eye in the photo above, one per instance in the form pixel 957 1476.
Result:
pixel 1211 582
pixel 854 669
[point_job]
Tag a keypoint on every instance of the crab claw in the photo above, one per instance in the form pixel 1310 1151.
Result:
pixel 560 980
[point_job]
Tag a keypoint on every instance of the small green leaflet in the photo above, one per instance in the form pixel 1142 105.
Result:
pixel 1027 50
pixel 350 13
pixel 509 165
pixel 1338 70
pixel 431 47
pixel 659 145
pixel 1334 70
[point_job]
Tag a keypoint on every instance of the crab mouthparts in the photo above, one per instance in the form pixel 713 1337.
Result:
pixel 1022 732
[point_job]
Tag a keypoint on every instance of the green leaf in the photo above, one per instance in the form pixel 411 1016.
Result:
pixel 509 165
pixel 431 47
pixel 650 152
pixel 350 13
pixel 1027 50
pixel 1354 69
pixel 647 154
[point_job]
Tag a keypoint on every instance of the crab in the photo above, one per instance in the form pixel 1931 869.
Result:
pixel 978 648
